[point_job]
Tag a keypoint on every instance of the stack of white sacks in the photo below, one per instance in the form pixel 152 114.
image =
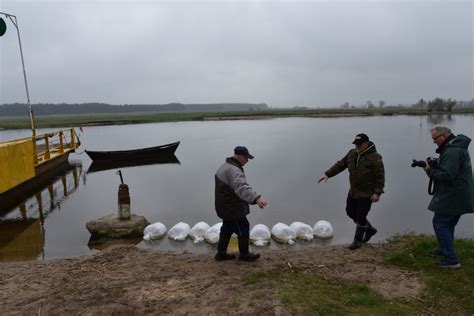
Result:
pixel 198 232
pixel 212 234
pixel 260 235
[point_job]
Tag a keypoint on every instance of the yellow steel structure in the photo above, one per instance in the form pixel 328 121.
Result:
pixel 17 164
pixel 19 158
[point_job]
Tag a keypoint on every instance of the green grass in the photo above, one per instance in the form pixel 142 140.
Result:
pixel 446 292
pixel 309 294
pixel 154 117
pixel 449 290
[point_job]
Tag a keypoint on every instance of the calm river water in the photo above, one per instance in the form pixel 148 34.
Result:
pixel 290 155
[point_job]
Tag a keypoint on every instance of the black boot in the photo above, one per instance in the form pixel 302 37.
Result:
pixel 245 255
pixel 222 250
pixel 359 234
pixel 369 232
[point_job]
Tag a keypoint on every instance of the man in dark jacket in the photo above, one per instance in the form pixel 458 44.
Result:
pixel 232 198
pixel 453 189
pixel 367 180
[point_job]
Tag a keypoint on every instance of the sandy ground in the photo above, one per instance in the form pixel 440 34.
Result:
pixel 128 281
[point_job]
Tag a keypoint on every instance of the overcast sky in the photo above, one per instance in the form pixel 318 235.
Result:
pixel 283 53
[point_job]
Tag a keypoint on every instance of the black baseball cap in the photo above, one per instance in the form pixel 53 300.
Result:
pixel 243 151
pixel 360 138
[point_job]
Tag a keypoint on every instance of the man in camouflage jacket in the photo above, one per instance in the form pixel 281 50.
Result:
pixel 367 180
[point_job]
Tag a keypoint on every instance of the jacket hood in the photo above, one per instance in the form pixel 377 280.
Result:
pixel 459 141
pixel 370 149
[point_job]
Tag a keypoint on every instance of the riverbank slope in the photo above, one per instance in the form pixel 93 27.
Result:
pixel 391 278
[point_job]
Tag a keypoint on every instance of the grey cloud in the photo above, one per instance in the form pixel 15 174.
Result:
pixel 282 53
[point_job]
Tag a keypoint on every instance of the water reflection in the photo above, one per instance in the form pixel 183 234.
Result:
pixel 113 243
pixel 291 153
pixel 22 229
pixel 439 118
pixel 97 166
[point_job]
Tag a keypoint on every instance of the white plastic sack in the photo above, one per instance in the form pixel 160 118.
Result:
pixel 212 234
pixel 283 233
pixel 154 231
pixel 323 229
pixel 260 235
pixel 198 231
pixel 179 231
pixel 303 231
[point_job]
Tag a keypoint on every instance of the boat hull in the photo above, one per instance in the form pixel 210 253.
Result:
pixel 135 154
pixel 102 165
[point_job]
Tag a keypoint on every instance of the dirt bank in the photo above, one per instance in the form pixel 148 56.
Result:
pixel 129 281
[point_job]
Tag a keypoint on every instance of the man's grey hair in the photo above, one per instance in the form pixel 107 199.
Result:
pixel 441 129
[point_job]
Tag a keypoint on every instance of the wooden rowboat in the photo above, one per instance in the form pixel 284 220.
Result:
pixel 143 153
pixel 102 165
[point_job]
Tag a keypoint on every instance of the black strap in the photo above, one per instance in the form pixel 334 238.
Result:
pixel 431 186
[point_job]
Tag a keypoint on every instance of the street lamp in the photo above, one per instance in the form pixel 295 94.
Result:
pixel 3 29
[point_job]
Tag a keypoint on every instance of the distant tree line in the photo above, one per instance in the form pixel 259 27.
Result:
pixel 435 105
pixel 20 109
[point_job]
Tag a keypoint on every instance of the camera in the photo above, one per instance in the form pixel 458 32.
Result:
pixel 420 163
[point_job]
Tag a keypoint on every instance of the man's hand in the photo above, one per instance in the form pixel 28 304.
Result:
pixel 261 202
pixel 375 198
pixel 427 165
pixel 323 178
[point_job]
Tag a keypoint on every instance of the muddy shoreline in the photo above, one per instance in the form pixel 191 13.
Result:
pixel 130 281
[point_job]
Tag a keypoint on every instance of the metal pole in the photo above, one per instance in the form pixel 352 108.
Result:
pixel 119 172
pixel 30 110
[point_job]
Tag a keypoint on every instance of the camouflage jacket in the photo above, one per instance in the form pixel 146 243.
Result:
pixel 366 172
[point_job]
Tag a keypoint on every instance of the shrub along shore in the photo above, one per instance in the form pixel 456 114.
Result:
pixel 50 121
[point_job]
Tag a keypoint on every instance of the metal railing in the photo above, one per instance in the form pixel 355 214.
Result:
pixel 53 144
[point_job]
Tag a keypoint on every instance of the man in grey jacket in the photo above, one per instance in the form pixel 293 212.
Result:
pixel 232 198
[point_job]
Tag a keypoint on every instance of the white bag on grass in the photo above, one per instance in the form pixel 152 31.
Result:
pixel 198 231
pixel 154 231
pixel 303 231
pixel 179 231
pixel 323 229
pixel 283 233
pixel 260 235
pixel 212 234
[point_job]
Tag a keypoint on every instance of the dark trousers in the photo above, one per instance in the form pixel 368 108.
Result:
pixel 357 209
pixel 240 227
pixel 443 226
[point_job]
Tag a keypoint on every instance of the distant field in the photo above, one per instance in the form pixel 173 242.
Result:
pixel 153 117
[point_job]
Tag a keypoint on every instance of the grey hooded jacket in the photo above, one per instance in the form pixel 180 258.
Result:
pixel 232 193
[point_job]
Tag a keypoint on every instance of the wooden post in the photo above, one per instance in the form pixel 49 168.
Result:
pixel 73 140
pixel 47 156
pixel 61 143
pixel 75 176
pixel 123 202
pixel 35 150
pixel 63 180
pixel 51 197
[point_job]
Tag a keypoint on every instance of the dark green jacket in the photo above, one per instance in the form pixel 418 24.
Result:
pixel 366 172
pixel 453 187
